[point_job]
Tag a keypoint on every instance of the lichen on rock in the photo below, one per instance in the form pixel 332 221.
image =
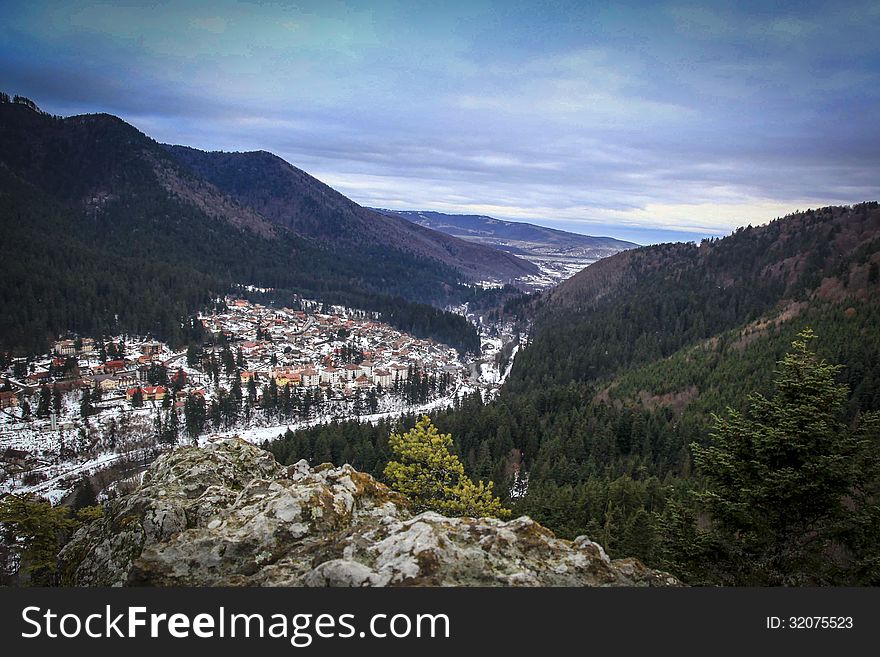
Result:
pixel 228 515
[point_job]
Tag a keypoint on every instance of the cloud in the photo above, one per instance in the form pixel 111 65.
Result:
pixel 689 118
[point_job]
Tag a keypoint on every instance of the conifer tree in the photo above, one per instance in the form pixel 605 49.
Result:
pixel 137 399
pixel 56 400
pixel 433 478
pixel 85 405
pixel 36 531
pixel 792 487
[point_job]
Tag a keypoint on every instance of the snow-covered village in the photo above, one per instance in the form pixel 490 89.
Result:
pixel 103 409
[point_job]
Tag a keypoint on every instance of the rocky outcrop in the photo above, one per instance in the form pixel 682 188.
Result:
pixel 229 515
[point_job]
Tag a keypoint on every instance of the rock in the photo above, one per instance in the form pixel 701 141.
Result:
pixel 229 515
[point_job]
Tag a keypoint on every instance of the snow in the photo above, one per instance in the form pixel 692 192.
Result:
pixel 86 446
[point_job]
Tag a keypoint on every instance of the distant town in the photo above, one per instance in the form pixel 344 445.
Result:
pixel 105 407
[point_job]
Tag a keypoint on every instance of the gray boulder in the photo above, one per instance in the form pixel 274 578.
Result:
pixel 229 515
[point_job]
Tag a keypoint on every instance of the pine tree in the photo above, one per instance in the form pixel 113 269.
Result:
pixel 36 531
pixel 84 495
pixel 44 401
pixel 433 478
pixel 85 405
pixel 56 400
pixel 791 486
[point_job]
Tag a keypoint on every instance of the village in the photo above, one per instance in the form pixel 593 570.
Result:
pixel 95 405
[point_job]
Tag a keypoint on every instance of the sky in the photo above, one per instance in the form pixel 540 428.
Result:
pixel 644 121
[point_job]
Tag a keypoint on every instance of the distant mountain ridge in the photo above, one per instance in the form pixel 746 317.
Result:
pixel 500 233
pixel 558 253
pixel 290 197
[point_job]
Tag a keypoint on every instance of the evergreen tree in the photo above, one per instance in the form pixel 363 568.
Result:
pixel 44 402
pixel 433 478
pixel 35 530
pixel 171 430
pixel 791 486
pixel 85 405
pixel 192 355
pixel 56 400
pixel 84 495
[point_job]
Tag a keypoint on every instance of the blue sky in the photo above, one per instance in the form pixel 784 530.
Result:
pixel 646 121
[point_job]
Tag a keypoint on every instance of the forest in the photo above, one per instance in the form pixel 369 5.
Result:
pixel 144 260
pixel 602 424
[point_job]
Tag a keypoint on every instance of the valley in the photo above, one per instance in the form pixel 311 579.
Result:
pixel 94 404
pixel 558 254
pixel 161 297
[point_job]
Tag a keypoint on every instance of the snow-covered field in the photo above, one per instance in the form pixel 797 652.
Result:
pixel 259 434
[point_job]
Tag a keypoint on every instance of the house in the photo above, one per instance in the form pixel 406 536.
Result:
pixel 352 372
pixel 14 456
pixel 150 393
pixel 108 383
pixel 367 367
pixel 8 399
pixel 126 378
pixel 383 378
pixel 399 372
pixel 38 376
pixel 330 375
pixel 310 378
pixel 65 347
pixel 151 348
pixel 362 381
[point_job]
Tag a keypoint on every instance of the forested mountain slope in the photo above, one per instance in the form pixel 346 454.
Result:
pixel 593 432
pixel 645 304
pixel 91 208
pixel 292 198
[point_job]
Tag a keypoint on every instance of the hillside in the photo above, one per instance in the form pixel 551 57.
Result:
pixel 629 359
pixel 514 236
pixel 104 231
pixel 647 303
pixel 558 253
pixel 292 198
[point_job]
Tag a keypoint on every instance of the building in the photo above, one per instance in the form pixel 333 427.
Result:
pixel 383 378
pixel 65 347
pixel 151 348
pixel 330 375
pixel 8 399
pixel 399 372
pixel 310 378
pixel 150 393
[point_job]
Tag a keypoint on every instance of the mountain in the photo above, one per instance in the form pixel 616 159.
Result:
pixel 624 365
pixel 290 197
pixel 646 303
pixel 106 231
pixel 558 253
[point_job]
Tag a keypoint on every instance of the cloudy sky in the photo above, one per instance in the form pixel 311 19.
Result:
pixel 645 121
